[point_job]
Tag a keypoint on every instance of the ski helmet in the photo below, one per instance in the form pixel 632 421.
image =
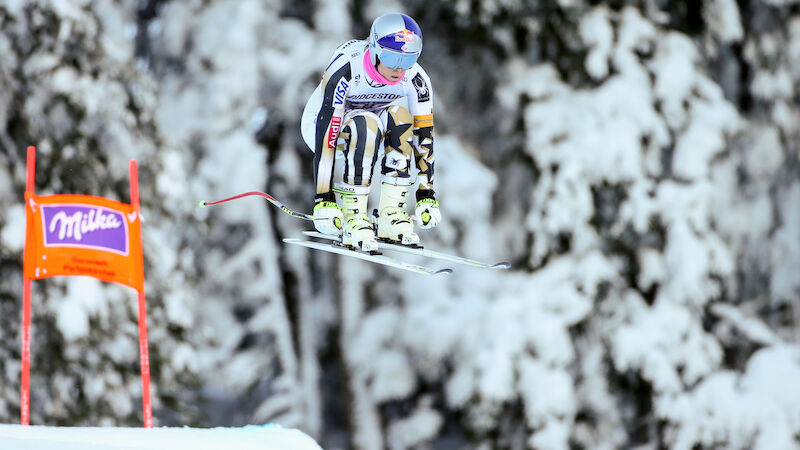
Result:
pixel 396 40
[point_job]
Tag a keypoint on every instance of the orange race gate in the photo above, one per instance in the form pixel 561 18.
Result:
pixel 68 235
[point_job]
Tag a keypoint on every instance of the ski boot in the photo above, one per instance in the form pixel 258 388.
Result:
pixel 357 231
pixel 394 224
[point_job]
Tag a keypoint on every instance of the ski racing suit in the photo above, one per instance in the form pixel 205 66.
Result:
pixel 359 113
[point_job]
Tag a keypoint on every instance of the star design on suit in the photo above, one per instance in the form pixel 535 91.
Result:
pixel 395 132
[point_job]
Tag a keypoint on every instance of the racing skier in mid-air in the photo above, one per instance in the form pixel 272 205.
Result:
pixel 374 101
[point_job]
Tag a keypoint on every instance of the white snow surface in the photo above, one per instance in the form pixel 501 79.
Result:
pixel 266 437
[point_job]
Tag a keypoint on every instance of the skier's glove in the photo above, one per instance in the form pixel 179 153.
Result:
pixel 427 211
pixel 327 216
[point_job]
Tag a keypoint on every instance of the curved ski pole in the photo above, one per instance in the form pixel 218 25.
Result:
pixel 270 198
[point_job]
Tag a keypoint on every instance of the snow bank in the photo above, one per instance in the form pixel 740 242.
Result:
pixel 60 438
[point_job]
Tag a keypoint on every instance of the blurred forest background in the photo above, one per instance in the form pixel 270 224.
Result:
pixel 637 161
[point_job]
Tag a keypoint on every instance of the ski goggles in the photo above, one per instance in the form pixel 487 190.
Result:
pixel 394 59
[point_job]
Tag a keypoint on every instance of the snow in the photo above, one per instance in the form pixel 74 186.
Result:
pixel 419 427
pixel 636 35
pixel 84 299
pixel 784 257
pixel 780 2
pixel 793 47
pixel 469 190
pixel 688 261
pixel 770 85
pixel 705 136
pixel 117 41
pixel 548 394
pixel 724 22
pixel 597 34
pixel 12 234
pixel 491 341
pixel 675 58
pixel 660 339
pixel 755 330
pixel 753 407
pixel 73 438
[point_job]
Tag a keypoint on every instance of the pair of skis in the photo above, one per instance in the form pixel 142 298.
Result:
pixel 333 244
pixel 338 247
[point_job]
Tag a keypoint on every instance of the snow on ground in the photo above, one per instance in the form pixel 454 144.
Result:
pixel 265 437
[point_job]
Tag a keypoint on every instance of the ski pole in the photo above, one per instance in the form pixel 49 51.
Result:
pixel 270 198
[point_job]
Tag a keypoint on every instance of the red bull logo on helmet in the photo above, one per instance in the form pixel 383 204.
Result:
pixel 405 35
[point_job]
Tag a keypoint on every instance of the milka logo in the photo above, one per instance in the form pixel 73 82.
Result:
pixel 85 226
pixel 80 223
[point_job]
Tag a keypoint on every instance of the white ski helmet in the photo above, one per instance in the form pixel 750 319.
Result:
pixel 396 40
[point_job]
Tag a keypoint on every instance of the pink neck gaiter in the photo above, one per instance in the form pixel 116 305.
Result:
pixel 373 73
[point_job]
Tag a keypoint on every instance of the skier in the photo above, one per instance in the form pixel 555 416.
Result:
pixel 374 101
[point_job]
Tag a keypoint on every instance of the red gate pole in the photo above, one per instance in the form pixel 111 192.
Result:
pixel 25 382
pixel 24 394
pixel 144 355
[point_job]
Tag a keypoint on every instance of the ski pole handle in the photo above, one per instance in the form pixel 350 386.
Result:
pixel 269 198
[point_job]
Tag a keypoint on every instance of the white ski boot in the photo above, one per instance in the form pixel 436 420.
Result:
pixel 394 224
pixel 357 229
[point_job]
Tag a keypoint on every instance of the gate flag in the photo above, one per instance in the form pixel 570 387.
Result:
pixel 68 235
pixel 83 235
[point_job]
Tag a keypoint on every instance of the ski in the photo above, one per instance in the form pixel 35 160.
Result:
pixel 340 249
pixel 419 250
